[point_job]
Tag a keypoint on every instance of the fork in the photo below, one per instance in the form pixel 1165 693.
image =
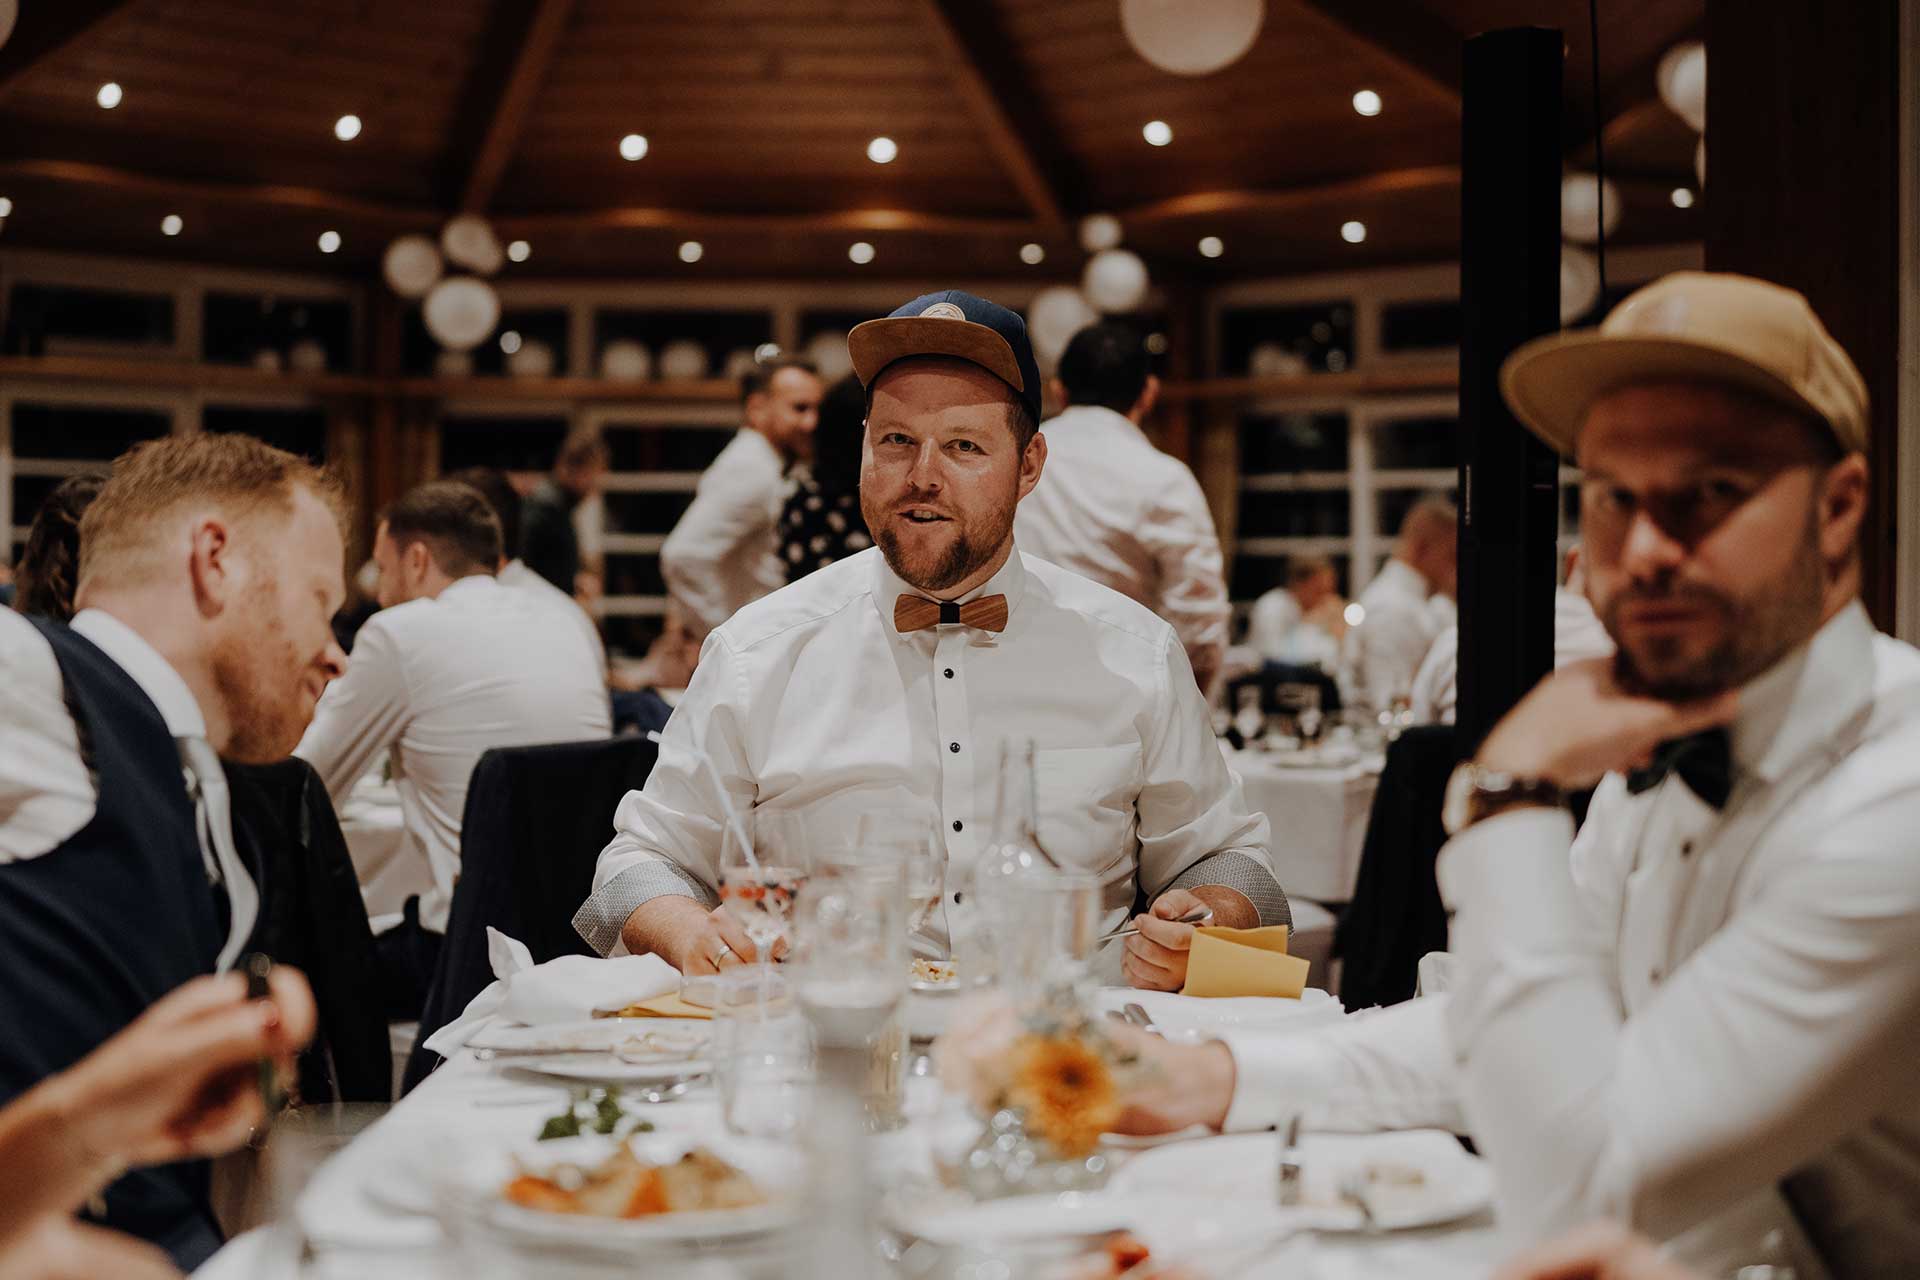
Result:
pixel 1353 1191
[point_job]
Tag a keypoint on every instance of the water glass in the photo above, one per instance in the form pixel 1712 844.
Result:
pixel 850 974
pixel 762 1055
pixel 1050 920
pixel 912 836
pixel 1300 705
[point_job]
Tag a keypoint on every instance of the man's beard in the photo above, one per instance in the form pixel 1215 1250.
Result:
pixel 252 676
pixel 973 547
pixel 1758 633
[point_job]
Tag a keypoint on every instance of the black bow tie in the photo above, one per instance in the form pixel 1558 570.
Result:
pixel 1704 762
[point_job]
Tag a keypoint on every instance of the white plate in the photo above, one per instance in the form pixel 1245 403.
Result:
pixel 1452 1184
pixel 1174 1012
pixel 599 1035
pixel 1171 1226
pixel 605 1068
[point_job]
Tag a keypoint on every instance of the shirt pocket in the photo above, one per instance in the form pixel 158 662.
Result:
pixel 1086 802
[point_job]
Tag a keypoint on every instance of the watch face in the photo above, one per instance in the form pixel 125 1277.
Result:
pixel 1457 809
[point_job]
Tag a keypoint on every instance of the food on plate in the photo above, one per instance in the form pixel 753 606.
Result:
pixel 1120 1254
pixel 1389 1175
pixel 674 1045
pixel 935 971
pixel 595 1110
pixel 626 1186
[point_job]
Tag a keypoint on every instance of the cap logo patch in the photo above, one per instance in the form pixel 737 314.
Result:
pixel 943 311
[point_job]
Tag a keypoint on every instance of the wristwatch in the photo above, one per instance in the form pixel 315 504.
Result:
pixel 1475 792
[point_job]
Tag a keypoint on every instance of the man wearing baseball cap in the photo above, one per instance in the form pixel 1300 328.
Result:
pixel 900 672
pixel 1705 1009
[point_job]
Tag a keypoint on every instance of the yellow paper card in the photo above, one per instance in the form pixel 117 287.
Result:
pixel 1243 962
pixel 667 1006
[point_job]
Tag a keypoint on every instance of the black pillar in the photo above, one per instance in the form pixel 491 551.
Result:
pixel 1509 293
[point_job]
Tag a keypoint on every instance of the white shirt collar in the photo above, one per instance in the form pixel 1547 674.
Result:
pixel 146 668
pixel 469 585
pixel 1398 575
pixel 1083 416
pixel 1009 581
pixel 1802 700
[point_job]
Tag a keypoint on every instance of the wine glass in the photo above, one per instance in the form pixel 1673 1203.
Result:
pixel 850 961
pixel 758 886
pixel 1300 704
pixel 1249 718
pixel 911 835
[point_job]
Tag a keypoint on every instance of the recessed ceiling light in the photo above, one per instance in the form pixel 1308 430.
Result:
pixel 519 251
pixel 1353 232
pixel 1683 197
pixel 109 95
pixel 1367 102
pixel 691 251
pixel 1033 254
pixel 860 252
pixel 6 207
pixel 347 128
pixel 171 225
pixel 510 341
pixel 329 241
pixel 633 147
pixel 1157 132
pixel 882 150
pixel 1212 246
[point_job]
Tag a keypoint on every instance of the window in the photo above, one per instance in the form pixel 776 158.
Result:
pixel 722 335
pixel 44 442
pixel 1316 338
pixel 1408 327
pixel 236 328
pixel 506 441
pixel 49 319
pixel 547 326
pixel 300 431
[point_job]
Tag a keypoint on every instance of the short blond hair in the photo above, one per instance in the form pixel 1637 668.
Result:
pixel 236 473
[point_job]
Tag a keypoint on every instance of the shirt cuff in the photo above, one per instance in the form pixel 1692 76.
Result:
pixel 1234 870
pixel 1509 882
pixel 1276 1077
pixel 603 915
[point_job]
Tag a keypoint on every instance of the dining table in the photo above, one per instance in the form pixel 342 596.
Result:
pixel 1317 804
pixel 370 1211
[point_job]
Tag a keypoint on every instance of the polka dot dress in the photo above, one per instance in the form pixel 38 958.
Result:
pixel 816 529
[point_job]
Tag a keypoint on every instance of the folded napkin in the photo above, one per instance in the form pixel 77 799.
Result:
pixel 568 989
pixel 1243 962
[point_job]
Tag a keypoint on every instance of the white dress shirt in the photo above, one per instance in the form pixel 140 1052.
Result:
pixel 517 576
pixel 1280 633
pixel 1577 636
pixel 1681 1008
pixel 439 682
pixel 810 700
pixel 1386 648
pixel 725 552
pixel 1111 507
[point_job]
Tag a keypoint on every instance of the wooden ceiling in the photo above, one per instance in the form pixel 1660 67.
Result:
pixel 1013 118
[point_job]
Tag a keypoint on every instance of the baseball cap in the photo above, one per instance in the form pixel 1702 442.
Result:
pixel 1694 326
pixel 951 323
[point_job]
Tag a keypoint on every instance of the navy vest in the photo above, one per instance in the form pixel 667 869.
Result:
pixel 94 931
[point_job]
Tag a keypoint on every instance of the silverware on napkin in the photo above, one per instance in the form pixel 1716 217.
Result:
pixel 1291 1180
pixel 1200 917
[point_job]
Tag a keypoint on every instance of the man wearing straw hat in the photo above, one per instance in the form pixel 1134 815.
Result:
pixel 905 667
pixel 1705 1009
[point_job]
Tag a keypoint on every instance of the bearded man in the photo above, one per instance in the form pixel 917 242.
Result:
pixel 903 669
pixel 210 571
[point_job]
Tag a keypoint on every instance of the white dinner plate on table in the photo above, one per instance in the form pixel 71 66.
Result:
pixel 1172 1011
pixel 614 1050
pixel 1169 1225
pixel 1413 1178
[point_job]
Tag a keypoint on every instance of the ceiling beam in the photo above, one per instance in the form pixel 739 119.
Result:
pixel 507 77
pixel 1002 104
pixel 1288 200
pixel 1423 44
pixel 45 29
pixel 823 222
pixel 259 195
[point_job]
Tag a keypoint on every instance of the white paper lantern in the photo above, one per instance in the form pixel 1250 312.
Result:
pixel 739 363
pixel 412 266
pixel 624 360
pixel 469 242
pixel 683 360
pixel 1582 213
pixel 1053 318
pixel 461 311
pixel 454 364
pixel 1579 283
pixel 1100 231
pixel 1682 78
pixel 267 360
pixel 1271 360
pixel 9 11
pixel 1700 162
pixel 1115 281
pixel 829 354
pixel 1191 37
pixel 534 359
pixel 307 356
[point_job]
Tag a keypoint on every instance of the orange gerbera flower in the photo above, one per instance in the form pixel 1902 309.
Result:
pixel 1066 1091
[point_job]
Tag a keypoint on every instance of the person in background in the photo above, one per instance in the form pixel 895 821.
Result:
pixel 1288 623
pixel 210 566
pixel 549 543
pixel 452 665
pixel 1117 510
pixel 725 550
pixel 180 1082
pixel 493 485
pixel 822 522
pixel 49 567
pixel 1399 618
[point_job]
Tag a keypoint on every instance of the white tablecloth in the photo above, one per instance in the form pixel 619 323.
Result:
pixel 1319 820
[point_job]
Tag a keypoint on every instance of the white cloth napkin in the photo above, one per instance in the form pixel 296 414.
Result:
pixel 568 989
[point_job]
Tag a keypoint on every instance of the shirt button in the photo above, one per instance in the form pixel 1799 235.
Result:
pixel 1654 977
pixel 954 747
pixel 957 896
pixel 948 673
pixel 957 824
pixel 1686 850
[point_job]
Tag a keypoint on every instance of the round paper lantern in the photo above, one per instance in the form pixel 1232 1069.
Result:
pixel 1115 281
pixel 469 242
pixel 454 364
pixel 739 363
pixel 1053 318
pixel 1700 162
pixel 1099 231
pixel 267 360
pixel 1682 78
pixel 829 354
pixel 1271 360
pixel 1579 283
pixel 460 311
pixel 1582 213
pixel 1191 37
pixel 534 359
pixel 624 360
pixel 307 356
pixel 683 360
pixel 412 266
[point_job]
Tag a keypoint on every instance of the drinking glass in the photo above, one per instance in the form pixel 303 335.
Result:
pixel 1249 719
pixel 850 975
pixel 1051 922
pixel 758 887
pixel 762 1055
pixel 912 836
pixel 1300 704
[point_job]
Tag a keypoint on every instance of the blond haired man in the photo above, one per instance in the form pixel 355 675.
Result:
pixel 210 569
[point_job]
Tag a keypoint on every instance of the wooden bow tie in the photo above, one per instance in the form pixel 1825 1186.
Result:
pixel 916 613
